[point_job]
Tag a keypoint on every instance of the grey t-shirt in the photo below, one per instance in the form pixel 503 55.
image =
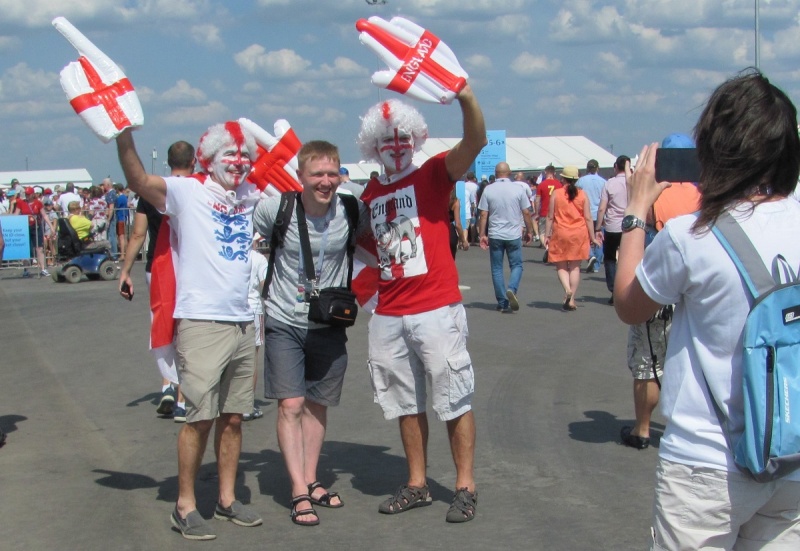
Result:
pixel 504 200
pixel 287 291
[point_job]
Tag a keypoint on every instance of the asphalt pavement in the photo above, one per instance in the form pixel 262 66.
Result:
pixel 89 465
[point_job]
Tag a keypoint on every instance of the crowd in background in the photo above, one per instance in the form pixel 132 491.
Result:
pixel 108 206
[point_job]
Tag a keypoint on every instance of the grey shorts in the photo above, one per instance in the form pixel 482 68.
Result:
pixel 299 362
pixel 647 346
pixel 407 351
pixel 216 362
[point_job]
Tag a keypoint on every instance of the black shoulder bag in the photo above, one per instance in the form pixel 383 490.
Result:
pixel 335 306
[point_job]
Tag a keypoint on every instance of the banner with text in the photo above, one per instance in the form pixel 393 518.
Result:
pixel 492 153
pixel 17 237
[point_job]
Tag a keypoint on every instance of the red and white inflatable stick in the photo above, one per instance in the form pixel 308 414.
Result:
pixel 97 89
pixel 275 169
pixel 420 65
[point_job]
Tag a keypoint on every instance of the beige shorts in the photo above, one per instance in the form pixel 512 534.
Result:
pixel 405 352
pixel 647 347
pixel 216 362
pixel 258 327
pixel 703 508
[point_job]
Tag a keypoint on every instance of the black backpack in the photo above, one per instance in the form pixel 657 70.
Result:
pixel 281 225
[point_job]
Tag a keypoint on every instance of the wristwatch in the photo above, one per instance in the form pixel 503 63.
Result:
pixel 631 222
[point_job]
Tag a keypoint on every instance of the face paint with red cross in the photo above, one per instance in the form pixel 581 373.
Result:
pixel 231 164
pixel 396 149
pixel 96 87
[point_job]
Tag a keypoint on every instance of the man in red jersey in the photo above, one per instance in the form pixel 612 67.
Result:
pixel 419 329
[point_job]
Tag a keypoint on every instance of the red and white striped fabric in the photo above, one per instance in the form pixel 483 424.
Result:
pixel 275 169
pixel 97 89
pixel 420 65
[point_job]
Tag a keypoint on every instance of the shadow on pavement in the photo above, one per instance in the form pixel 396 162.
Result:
pixel 371 470
pixel 604 427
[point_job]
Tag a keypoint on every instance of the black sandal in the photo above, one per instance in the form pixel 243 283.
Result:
pixel 296 513
pixel 325 499
pixel 632 440
pixel 463 507
pixel 406 497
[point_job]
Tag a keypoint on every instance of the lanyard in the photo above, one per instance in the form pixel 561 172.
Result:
pixel 306 264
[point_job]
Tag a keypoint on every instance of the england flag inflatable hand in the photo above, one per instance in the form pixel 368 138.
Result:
pixel 275 169
pixel 97 88
pixel 420 65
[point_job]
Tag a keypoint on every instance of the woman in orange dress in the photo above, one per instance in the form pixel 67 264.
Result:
pixel 568 232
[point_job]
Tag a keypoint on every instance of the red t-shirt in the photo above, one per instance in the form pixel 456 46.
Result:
pixel 545 191
pixel 32 209
pixel 410 224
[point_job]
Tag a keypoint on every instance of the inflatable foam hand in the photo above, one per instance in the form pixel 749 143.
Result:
pixel 275 169
pixel 420 65
pixel 97 88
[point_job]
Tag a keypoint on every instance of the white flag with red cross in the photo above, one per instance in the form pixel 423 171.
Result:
pixel 420 64
pixel 275 169
pixel 97 89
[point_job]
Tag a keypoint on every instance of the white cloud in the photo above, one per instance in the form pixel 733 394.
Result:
pixel 146 94
pixel 581 21
pixel 527 64
pixel 612 64
pixel 439 7
pixel 562 104
pixel 39 13
pixel 207 35
pixel 342 67
pixel 8 42
pixel 23 82
pixel 478 62
pixel 332 116
pixel 208 114
pixel 281 63
pixel 183 92
pixel 513 24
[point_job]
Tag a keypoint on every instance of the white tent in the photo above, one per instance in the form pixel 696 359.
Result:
pixel 536 153
pixel 522 154
pixel 47 178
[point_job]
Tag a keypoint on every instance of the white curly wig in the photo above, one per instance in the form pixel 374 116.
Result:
pixel 220 135
pixel 384 116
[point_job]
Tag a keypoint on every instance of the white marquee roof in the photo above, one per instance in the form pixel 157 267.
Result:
pixel 528 154
pixel 48 178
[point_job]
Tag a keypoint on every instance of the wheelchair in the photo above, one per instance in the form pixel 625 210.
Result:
pixel 77 258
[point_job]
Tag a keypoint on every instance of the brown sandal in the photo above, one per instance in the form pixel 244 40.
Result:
pixel 406 497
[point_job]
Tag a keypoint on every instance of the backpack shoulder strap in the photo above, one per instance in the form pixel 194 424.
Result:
pixel 351 210
pixel 744 255
pixel 279 227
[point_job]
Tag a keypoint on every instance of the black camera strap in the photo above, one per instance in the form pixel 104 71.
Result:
pixel 305 246
pixel 291 201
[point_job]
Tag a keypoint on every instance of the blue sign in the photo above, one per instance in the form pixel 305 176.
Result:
pixel 492 153
pixel 461 193
pixel 17 237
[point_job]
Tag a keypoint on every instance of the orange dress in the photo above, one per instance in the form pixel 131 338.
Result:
pixel 570 239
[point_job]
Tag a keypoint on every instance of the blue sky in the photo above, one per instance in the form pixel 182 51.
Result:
pixel 621 72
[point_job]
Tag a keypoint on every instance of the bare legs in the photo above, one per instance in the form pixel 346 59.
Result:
pixel 301 432
pixel 192 441
pixel 461 432
pixel 569 275
pixel 645 400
